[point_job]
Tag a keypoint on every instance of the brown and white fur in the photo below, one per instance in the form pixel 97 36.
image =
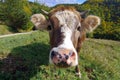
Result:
pixel 67 30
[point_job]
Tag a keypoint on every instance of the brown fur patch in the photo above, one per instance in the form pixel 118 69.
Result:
pixel 80 41
pixel 56 37
pixel 54 22
pixel 63 8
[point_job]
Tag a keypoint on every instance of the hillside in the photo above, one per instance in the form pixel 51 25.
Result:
pixel 109 12
pixel 25 57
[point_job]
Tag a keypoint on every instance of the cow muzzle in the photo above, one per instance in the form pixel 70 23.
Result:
pixel 63 57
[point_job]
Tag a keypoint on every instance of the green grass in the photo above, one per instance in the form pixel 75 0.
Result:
pixel 25 57
pixel 5 30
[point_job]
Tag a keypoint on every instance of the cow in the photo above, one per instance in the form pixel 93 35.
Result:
pixel 67 30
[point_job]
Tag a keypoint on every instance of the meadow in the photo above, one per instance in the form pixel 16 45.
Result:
pixel 26 57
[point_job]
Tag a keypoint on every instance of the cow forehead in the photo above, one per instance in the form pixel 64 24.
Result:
pixel 68 18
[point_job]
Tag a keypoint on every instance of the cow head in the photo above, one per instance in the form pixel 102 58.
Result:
pixel 66 27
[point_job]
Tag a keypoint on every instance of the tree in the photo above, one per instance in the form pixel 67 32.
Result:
pixel 16 14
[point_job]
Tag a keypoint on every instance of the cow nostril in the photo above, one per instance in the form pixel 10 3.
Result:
pixel 66 57
pixel 60 56
pixel 52 54
pixel 71 54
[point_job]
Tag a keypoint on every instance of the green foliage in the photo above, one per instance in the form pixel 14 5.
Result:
pixel 36 7
pixel 16 14
pixel 29 60
pixel 108 11
pixel 5 30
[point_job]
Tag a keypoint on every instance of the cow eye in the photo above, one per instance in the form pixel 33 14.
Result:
pixel 78 28
pixel 49 27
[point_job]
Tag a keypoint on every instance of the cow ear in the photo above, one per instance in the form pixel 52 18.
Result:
pixel 39 21
pixel 90 23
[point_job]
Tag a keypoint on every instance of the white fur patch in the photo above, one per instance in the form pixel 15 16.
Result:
pixel 67 42
pixel 67 18
pixel 78 74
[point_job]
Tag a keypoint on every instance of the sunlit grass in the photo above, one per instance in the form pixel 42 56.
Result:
pixel 26 57
pixel 4 30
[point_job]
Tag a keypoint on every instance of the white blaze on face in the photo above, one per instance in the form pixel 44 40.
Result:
pixel 67 18
pixel 67 21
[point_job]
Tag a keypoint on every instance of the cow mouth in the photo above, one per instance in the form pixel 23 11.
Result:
pixel 63 58
pixel 63 61
pixel 63 64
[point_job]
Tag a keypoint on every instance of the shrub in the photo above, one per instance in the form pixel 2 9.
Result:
pixel 16 14
pixel 36 7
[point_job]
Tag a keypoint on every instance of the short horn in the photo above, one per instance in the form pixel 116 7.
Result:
pixel 45 12
pixel 83 14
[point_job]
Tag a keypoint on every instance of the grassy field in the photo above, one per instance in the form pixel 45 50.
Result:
pixel 25 57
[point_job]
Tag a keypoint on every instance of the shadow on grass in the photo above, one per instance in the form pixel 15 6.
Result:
pixel 23 62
